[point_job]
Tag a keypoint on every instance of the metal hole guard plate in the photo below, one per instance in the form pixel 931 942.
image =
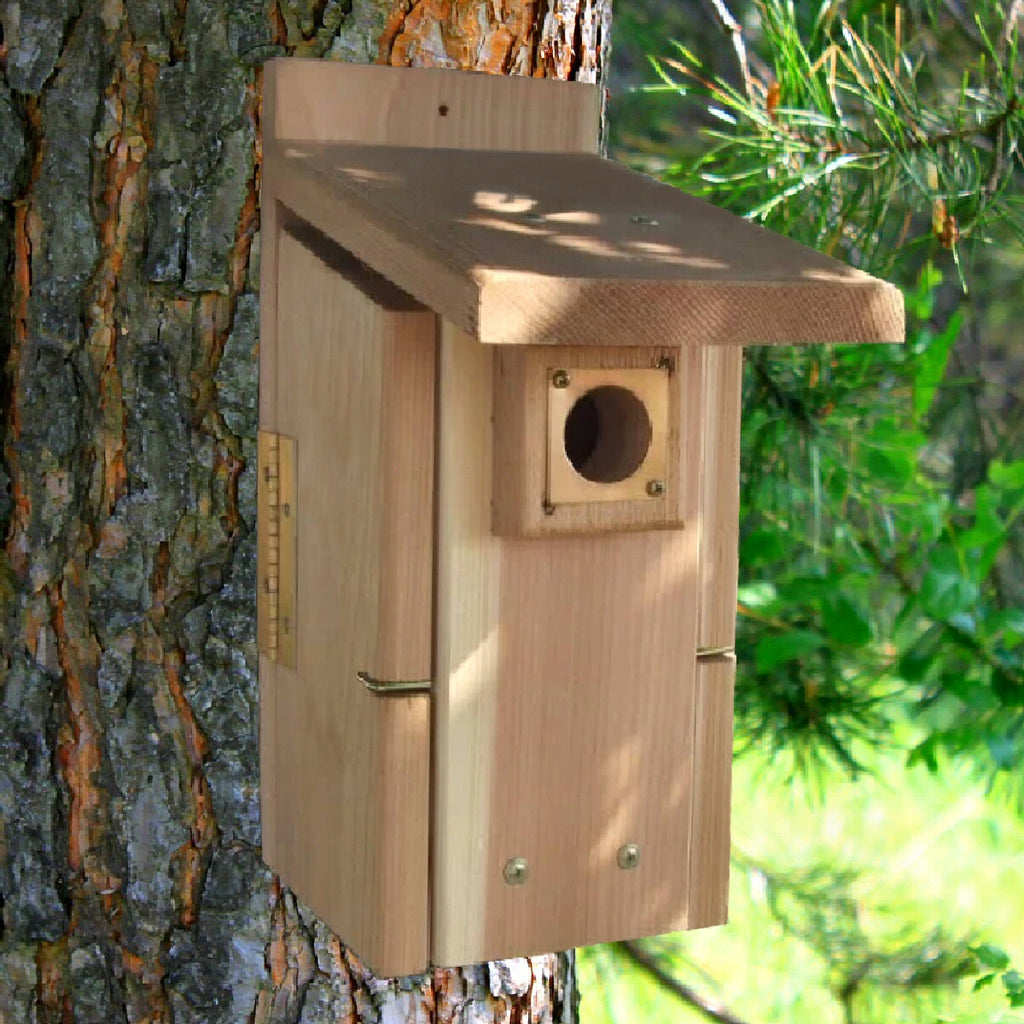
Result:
pixel 650 387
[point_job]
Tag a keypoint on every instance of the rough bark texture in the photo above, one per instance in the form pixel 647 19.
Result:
pixel 131 884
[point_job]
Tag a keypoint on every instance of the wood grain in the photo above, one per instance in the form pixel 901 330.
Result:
pixel 346 816
pixel 712 790
pixel 564 679
pixel 326 101
pixel 521 443
pixel 571 249
pixel 720 399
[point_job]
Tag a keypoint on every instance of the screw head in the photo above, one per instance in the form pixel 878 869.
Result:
pixel 548 508
pixel 643 219
pixel 655 488
pixel 516 871
pixel 560 379
pixel 628 856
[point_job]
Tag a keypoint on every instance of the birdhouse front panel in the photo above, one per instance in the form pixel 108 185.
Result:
pixel 500 395
pixel 565 698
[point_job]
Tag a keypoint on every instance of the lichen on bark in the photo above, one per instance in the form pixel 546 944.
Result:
pixel 131 883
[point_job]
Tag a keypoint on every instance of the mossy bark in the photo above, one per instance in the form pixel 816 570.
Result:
pixel 131 883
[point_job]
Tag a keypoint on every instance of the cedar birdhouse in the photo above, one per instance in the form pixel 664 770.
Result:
pixel 499 411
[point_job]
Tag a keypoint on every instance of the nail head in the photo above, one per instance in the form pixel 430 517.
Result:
pixel 628 856
pixel 516 870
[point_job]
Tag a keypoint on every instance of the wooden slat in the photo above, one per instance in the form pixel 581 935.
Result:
pixel 720 401
pixel 564 689
pixel 712 788
pixel 326 101
pixel 346 812
pixel 562 248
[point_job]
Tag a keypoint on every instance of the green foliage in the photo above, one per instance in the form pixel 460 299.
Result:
pixel 820 906
pixel 995 962
pixel 868 584
pixel 855 144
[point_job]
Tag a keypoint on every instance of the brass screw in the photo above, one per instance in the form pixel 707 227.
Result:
pixel 560 379
pixel 628 856
pixel 516 871
pixel 655 488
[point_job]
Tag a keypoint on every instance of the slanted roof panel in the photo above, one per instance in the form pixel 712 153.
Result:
pixel 555 248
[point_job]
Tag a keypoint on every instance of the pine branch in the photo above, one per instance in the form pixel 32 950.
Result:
pixel 711 1009
pixel 732 28
pixel 1013 15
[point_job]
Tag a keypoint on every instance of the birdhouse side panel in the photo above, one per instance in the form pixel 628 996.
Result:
pixel 345 772
pixel 720 397
pixel 712 792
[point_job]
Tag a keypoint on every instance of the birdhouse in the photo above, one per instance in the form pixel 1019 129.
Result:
pixel 498 501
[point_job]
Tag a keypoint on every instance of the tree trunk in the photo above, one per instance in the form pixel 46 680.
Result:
pixel 131 884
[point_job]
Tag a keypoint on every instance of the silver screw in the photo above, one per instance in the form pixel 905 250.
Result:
pixel 628 856
pixel 655 488
pixel 647 222
pixel 516 871
pixel 560 379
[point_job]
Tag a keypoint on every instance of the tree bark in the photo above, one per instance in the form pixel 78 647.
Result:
pixel 131 884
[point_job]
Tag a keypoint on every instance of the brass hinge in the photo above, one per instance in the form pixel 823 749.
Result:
pixel 276 516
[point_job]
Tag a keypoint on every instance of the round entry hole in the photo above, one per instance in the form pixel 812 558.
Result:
pixel 607 434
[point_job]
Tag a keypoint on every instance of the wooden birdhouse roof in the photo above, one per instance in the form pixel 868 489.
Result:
pixel 569 248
